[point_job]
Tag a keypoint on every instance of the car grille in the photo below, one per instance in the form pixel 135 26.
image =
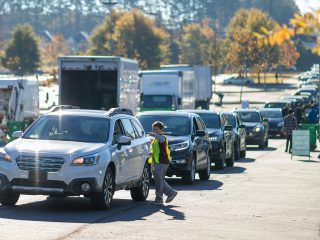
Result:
pixel 43 164
pixel 29 183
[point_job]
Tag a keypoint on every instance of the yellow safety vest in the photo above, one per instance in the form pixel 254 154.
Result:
pixel 155 151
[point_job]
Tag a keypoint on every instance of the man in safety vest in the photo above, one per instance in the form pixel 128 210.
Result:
pixel 160 157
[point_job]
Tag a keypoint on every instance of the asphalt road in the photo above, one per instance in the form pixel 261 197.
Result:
pixel 264 196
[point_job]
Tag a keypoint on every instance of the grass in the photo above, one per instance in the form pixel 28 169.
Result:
pixel 270 78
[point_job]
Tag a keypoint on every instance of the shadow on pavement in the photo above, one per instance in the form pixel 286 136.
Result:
pixel 273 86
pixel 230 170
pixel 259 150
pixel 198 185
pixel 309 161
pixel 246 160
pixel 79 210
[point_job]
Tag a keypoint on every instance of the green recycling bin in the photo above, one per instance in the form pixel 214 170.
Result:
pixel 313 128
pixel 14 126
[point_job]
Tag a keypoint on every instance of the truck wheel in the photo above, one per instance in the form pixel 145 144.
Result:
pixel 205 173
pixel 141 193
pixel 191 175
pixel 102 200
pixel 9 198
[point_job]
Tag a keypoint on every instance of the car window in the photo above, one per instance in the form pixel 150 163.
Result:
pixel 128 128
pixel 232 120
pixel 117 131
pixel 249 116
pixel 211 120
pixel 139 130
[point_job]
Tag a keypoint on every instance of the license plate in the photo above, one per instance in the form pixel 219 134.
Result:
pixel 37 176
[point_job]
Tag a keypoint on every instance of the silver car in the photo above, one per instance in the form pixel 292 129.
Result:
pixel 77 152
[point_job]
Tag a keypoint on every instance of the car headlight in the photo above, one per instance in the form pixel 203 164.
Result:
pixel 4 156
pixel 257 129
pixel 214 138
pixel 87 160
pixel 179 146
pixel 280 124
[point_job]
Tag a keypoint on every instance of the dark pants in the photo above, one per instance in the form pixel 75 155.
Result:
pixel 289 140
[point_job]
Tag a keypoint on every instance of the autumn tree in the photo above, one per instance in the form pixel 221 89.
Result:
pixel 22 54
pixel 132 35
pixel 52 50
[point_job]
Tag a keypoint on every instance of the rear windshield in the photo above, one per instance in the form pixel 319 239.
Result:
pixel 272 114
pixel 249 116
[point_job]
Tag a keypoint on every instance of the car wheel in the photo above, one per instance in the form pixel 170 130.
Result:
pixel 266 143
pixel 243 154
pixel 220 165
pixel 261 143
pixel 230 161
pixel 237 152
pixel 205 173
pixel 102 200
pixel 9 198
pixel 191 175
pixel 141 193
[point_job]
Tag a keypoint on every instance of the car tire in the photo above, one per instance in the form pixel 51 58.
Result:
pixel 230 161
pixel 102 200
pixel 261 143
pixel 141 193
pixel 205 173
pixel 266 143
pixel 237 152
pixel 191 175
pixel 243 154
pixel 221 162
pixel 9 198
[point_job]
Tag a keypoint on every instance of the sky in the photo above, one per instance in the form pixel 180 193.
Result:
pixel 307 5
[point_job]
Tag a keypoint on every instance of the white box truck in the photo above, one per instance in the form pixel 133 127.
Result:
pixel 203 82
pixel 166 90
pixel 19 102
pixel 98 82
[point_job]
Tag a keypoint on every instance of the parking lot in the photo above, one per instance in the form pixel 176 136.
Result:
pixel 264 196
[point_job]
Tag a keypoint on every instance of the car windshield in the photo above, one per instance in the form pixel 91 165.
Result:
pixel 276 105
pixel 232 120
pixel 70 128
pixel 173 125
pixel 272 114
pixel 211 120
pixel 249 116
pixel 157 101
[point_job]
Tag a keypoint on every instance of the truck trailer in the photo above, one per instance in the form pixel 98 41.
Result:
pixel 98 82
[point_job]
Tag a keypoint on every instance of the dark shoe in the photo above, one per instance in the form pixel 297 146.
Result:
pixel 157 203
pixel 286 150
pixel 171 197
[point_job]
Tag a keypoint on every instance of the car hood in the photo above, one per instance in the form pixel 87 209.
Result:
pixel 177 139
pixel 32 146
pixel 214 131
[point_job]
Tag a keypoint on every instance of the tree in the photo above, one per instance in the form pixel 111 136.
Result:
pixel 54 49
pixel 22 54
pixel 134 36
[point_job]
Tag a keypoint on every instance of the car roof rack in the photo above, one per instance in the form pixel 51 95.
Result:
pixel 62 107
pixel 119 110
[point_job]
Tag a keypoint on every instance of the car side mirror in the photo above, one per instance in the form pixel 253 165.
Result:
pixel 200 133
pixel 228 128
pixel 242 126
pixel 124 140
pixel 17 134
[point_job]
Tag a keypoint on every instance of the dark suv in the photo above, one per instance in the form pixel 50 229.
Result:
pixel 256 127
pixel 221 137
pixel 188 142
pixel 240 134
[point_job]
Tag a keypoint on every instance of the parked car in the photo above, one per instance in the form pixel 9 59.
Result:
pixel 240 134
pixel 77 152
pixel 314 92
pixel 282 103
pixel 256 127
pixel 188 142
pixel 238 81
pixel 221 137
pixel 275 120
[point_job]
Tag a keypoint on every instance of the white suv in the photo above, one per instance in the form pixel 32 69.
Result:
pixel 77 152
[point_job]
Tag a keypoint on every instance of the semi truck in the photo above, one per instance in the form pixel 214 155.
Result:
pixel 98 82
pixel 19 102
pixel 202 82
pixel 166 90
